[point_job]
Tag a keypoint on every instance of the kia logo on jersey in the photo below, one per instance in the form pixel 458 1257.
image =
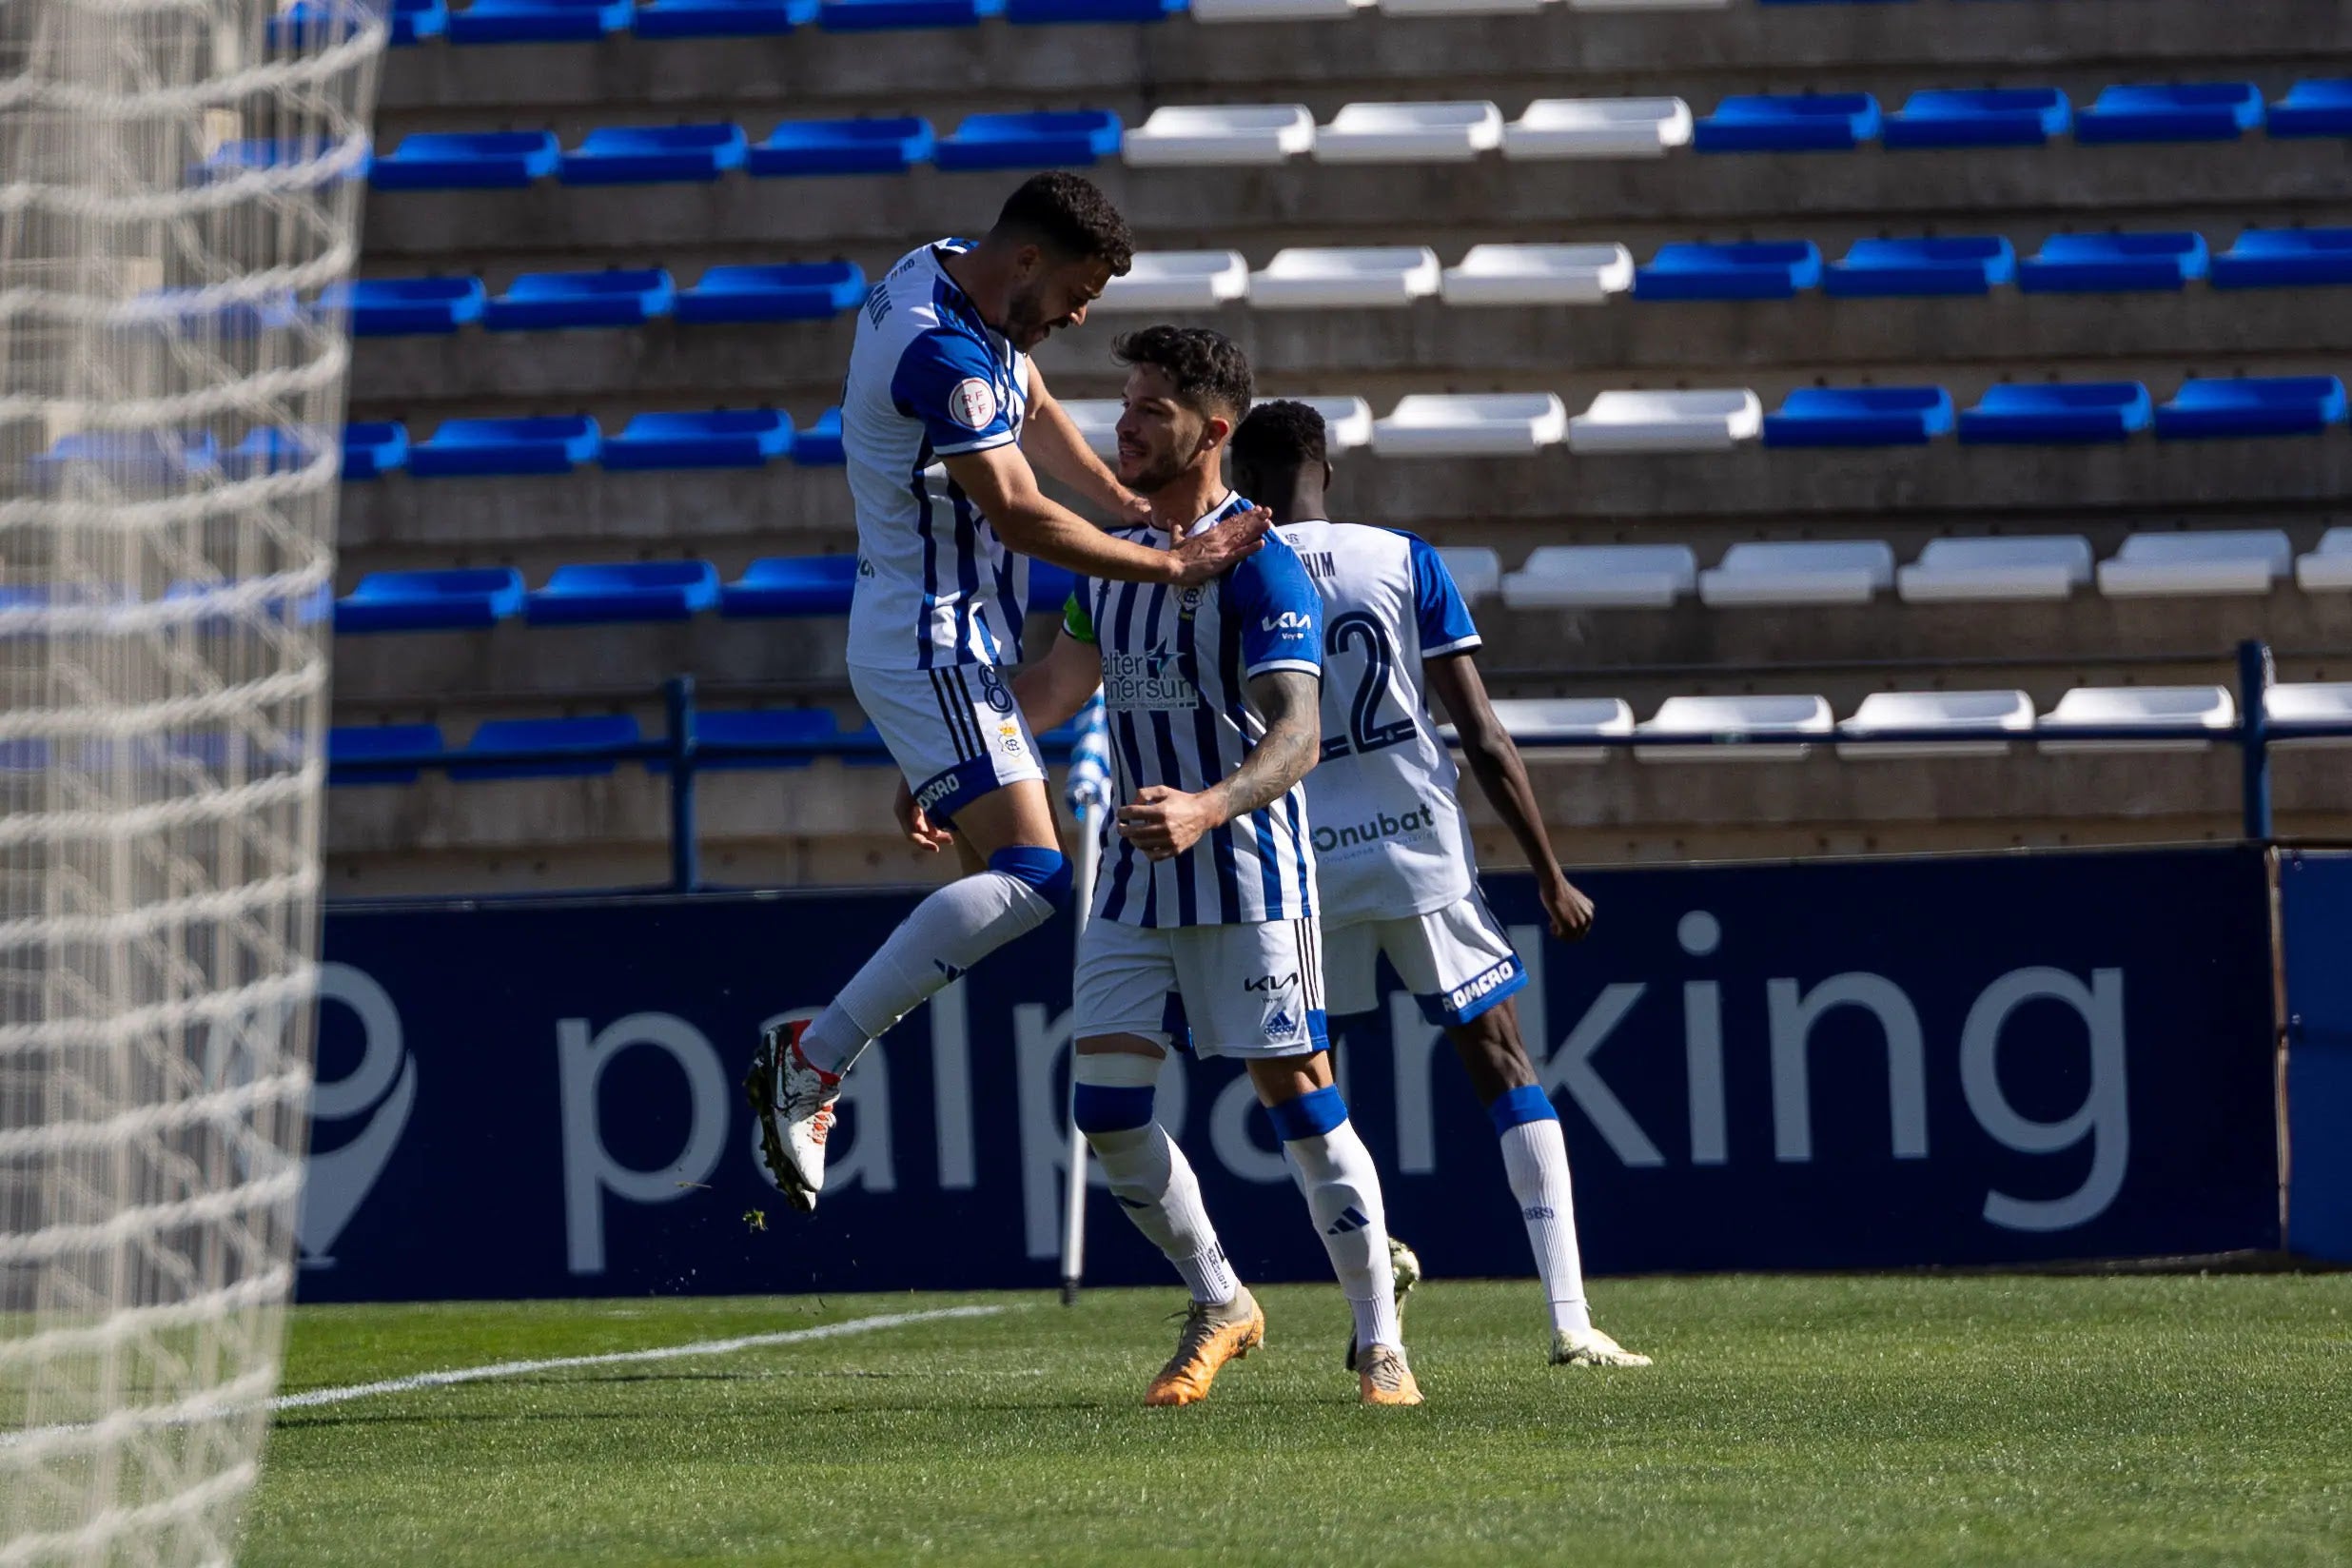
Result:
pixel 1289 620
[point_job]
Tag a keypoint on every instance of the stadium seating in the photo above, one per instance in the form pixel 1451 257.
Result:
pixel 1347 277
pixel 1774 269
pixel 1872 268
pixel 875 16
pixel 723 727
pixel 1832 121
pixel 1860 416
pixel 270 451
pixel 2073 412
pixel 792 585
pixel 1536 275
pixel 1794 572
pixel 890 146
pixel 547 445
pixel 1882 712
pixel 623 591
pixel 1178 280
pixel 2208 561
pixel 738 438
pixel 460 598
pixel 2312 108
pixel 538 21
pixel 2290 706
pixel 374 447
pixel 2014 569
pixel 790 291
pixel 722 18
pixel 1409 134
pixel 568 746
pixel 622 297
pixel 239 156
pixel 818 446
pixel 1476 570
pixel 387 308
pixel 127 459
pixel 2136 706
pixel 2329 568
pixel 1212 135
pixel 1977 117
pixel 1774 717
pixel 360 744
pixel 2251 406
pixel 1535 720
pixel 1666 422
pixel 1598 128
pixel 1470 424
pixel 1276 11
pixel 440 159
pixel 2189 112
pixel 1023 12
pixel 2087 263
pixel 1589 576
pixel 1347 422
pixel 616 155
pixel 1043 139
pixel 2285 258
pixel 417 19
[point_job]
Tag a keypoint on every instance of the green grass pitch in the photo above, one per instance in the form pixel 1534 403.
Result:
pixel 1913 1421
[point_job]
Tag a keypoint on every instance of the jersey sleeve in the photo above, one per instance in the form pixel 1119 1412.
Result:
pixel 1077 621
pixel 1281 613
pixel 945 380
pixel 1438 608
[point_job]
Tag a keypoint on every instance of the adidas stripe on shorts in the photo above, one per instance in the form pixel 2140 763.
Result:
pixel 1248 990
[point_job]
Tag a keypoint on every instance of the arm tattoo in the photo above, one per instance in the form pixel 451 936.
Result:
pixel 1292 702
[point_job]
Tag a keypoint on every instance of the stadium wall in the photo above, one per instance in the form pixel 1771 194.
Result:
pixel 1869 1064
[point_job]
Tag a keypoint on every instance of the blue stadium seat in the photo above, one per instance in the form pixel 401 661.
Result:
pixel 197 312
pixel 415 19
pixel 890 146
pixel 269 450
pixel 790 291
pixel 1020 12
pixel 393 307
pixel 2064 412
pixel 1964 117
pixel 1044 139
pixel 545 444
pixel 1050 587
pixel 460 598
pixel 26 757
pixel 359 743
pixel 2321 108
pixel 538 21
pixel 315 24
pixel 818 446
pixel 2186 111
pixel 209 610
pixel 628 590
pixel 863 748
pixel 1771 270
pixel 756 727
pixel 791 585
pixel 131 459
pixel 459 160
pixel 562 741
pixel 374 447
pixel 2285 258
pixel 625 155
pixel 1963 265
pixel 1860 416
pixel 873 15
pixel 1829 122
pixel 2252 406
pixel 628 296
pixel 722 18
pixel 724 438
pixel 241 157
pixel 2108 263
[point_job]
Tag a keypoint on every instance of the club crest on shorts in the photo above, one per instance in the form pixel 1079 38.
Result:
pixel 972 402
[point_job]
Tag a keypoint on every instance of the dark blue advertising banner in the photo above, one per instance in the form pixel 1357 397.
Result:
pixel 2315 931
pixel 1836 1066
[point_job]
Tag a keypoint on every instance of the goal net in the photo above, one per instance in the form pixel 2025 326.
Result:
pixel 179 185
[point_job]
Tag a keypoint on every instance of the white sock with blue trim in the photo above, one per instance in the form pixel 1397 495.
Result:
pixel 1535 1156
pixel 1335 1171
pixel 1149 1175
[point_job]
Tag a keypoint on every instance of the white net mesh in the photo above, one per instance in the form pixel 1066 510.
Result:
pixel 179 180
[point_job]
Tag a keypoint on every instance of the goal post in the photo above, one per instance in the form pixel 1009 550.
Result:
pixel 180 184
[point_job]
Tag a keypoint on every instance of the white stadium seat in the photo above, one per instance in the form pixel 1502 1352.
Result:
pixel 1539 274
pixel 2329 567
pixel 1602 577
pixel 1700 715
pixel 2228 560
pixel 1198 134
pixel 1347 422
pixel 2291 704
pixel 1476 570
pixel 1345 277
pixel 2087 707
pixel 1470 424
pixel 1800 571
pixel 1459 7
pixel 1598 128
pixel 2040 566
pixel 1649 5
pixel 1097 420
pixel 1409 134
pixel 1667 421
pixel 1882 711
pixel 1276 11
pixel 1558 718
pixel 1178 280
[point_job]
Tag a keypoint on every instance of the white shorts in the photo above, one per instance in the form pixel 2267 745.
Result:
pixel 1457 961
pixel 955 732
pixel 1234 990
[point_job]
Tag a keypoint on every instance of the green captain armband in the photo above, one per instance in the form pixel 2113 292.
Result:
pixel 1076 621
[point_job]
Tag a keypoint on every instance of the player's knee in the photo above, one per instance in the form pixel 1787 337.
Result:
pixel 1112 1092
pixel 1044 872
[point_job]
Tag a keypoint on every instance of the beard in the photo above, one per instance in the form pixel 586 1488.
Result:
pixel 1025 321
pixel 1154 474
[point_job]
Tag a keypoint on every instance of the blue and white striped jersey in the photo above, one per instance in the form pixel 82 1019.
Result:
pixel 1176 667
pixel 929 379
pixel 1390 839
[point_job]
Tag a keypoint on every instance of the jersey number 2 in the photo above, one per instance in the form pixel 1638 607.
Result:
pixel 1365 733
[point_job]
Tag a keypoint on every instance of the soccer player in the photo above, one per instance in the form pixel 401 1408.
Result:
pixel 1393 856
pixel 939 406
pixel 1204 909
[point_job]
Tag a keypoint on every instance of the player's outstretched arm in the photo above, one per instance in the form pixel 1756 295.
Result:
pixel 999 480
pixel 1163 822
pixel 1054 442
pixel 1495 761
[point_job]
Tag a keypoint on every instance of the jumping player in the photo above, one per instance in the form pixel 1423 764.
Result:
pixel 1395 627
pixel 1204 909
pixel 940 402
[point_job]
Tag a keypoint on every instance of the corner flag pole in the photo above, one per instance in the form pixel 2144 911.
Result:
pixel 1089 802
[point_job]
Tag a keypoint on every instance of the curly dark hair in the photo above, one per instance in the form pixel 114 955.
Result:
pixel 1065 213
pixel 1278 438
pixel 1208 369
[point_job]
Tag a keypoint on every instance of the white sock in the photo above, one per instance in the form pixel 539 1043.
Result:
pixel 949 931
pixel 1154 1183
pixel 1335 1171
pixel 1535 1158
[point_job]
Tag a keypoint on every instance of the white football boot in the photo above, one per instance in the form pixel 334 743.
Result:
pixel 794 1104
pixel 1592 1348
